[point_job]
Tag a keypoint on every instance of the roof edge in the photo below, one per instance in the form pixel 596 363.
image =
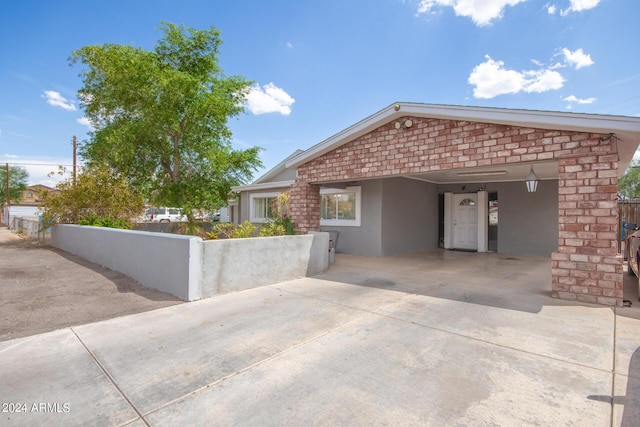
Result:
pixel 263 186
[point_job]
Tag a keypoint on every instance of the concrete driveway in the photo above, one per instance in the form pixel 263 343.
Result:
pixel 437 338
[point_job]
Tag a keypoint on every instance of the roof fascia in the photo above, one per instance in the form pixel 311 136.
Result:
pixel 263 186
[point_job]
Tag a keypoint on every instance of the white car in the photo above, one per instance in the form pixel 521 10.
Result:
pixel 164 214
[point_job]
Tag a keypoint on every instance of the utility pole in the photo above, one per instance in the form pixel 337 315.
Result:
pixel 8 198
pixel 75 146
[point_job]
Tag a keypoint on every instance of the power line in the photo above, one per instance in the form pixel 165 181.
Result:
pixel 36 164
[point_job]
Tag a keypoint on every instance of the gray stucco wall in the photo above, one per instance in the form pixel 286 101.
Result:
pixel 409 216
pixel 188 267
pixel 156 260
pixel 527 222
pixel 366 239
pixel 237 264
pixel 285 175
pixel 399 215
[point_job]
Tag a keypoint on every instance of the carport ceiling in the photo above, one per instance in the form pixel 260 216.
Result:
pixel 496 173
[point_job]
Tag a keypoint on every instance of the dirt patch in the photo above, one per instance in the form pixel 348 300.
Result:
pixel 44 289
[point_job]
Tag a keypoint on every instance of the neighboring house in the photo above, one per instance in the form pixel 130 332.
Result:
pixel 32 196
pixel 29 205
pixel 415 177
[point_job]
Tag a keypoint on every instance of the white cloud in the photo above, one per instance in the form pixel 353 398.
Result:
pixel 572 99
pixel 84 121
pixel 289 45
pixel 577 58
pixel 54 98
pixel 543 81
pixel 491 79
pixel 481 12
pixel 269 99
pixel 551 9
pixel 579 6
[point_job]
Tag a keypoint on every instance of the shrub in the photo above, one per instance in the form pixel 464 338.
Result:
pixel 221 230
pixel 244 230
pixel 272 229
pixel 108 222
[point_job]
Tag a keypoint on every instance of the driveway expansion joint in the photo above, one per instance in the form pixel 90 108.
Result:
pixel 111 379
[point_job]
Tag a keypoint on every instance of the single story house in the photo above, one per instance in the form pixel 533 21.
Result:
pixel 416 177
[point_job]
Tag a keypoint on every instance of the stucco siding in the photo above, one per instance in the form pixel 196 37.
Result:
pixel 366 239
pixel 527 222
pixel 409 216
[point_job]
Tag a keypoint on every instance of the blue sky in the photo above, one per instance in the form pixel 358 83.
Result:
pixel 321 66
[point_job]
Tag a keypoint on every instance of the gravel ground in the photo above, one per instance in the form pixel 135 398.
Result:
pixel 43 289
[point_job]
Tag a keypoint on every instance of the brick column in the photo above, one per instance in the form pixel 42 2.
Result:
pixel 305 206
pixel 587 266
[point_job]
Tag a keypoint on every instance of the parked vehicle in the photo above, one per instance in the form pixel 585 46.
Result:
pixel 165 214
pixel 632 246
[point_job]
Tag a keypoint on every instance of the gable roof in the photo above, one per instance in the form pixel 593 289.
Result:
pixel 626 129
pixel 40 187
pixel 277 169
pixel 265 182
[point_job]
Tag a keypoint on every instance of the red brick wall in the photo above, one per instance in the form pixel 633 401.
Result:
pixel 304 206
pixel 586 266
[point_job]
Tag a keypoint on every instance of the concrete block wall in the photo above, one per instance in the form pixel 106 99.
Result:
pixel 236 264
pixel 192 269
pixel 436 144
pixel 156 260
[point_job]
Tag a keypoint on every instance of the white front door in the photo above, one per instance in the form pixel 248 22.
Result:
pixel 465 221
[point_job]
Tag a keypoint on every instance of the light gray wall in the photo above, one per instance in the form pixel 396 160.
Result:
pixel 236 264
pixel 409 216
pixel 156 260
pixel 527 222
pixel 366 239
pixel 188 267
pixel 285 175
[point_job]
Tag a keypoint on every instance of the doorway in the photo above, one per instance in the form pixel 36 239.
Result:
pixel 465 221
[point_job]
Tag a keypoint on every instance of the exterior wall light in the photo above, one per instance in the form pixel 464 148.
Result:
pixel 532 181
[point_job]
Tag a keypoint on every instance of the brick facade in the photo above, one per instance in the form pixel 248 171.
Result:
pixel 586 266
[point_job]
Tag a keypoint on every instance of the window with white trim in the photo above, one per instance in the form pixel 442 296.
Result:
pixel 261 206
pixel 341 207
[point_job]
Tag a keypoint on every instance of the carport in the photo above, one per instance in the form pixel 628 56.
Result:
pixel 403 179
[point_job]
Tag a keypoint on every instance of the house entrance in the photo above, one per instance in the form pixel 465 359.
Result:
pixel 465 221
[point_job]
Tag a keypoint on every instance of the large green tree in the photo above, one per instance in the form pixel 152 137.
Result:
pixel 18 177
pixel 160 117
pixel 629 184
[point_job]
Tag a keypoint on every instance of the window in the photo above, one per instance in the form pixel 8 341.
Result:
pixel 261 206
pixel 30 195
pixel 340 206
